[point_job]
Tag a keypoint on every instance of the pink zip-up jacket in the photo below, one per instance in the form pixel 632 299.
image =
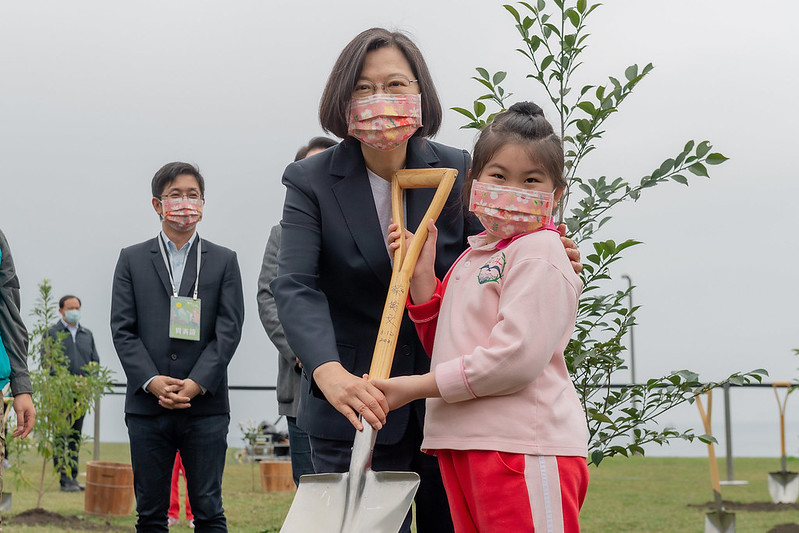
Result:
pixel 497 329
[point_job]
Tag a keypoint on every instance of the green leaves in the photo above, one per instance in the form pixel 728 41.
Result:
pixel 715 159
pixel 699 169
pixel 496 95
pixel 574 17
pixel 596 457
pixel 59 396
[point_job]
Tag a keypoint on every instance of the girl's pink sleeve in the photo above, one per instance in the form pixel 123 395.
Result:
pixel 425 317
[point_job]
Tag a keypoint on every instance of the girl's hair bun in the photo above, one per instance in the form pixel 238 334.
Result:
pixel 526 108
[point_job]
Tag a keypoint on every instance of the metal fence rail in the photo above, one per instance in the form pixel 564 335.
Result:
pixel 119 390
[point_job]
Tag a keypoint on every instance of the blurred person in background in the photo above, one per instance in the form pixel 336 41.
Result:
pixel 289 372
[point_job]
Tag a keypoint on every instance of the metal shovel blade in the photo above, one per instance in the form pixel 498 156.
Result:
pixel 5 501
pixel 720 522
pixel 783 486
pixel 359 501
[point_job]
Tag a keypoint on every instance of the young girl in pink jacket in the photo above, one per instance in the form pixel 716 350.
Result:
pixel 503 417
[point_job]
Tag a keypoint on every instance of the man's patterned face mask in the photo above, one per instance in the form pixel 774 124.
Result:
pixel 182 214
pixel 385 121
pixel 508 211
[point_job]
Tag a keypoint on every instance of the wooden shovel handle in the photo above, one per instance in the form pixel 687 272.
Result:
pixel 405 260
pixel 422 178
pixel 781 403
pixel 7 405
pixel 711 452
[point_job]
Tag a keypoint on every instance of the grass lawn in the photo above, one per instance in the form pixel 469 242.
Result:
pixel 641 494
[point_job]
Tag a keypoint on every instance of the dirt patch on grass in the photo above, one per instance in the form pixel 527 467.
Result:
pixel 755 507
pixel 43 517
pixel 785 528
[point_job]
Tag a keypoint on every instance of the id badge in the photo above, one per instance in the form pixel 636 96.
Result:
pixel 184 318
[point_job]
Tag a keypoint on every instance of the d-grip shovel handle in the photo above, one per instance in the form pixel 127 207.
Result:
pixel 405 260
pixel 711 452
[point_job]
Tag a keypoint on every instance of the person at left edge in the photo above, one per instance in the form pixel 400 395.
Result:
pixel 14 377
pixel 80 350
pixel 177 390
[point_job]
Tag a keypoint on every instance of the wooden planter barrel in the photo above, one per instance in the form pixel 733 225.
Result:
pixel 109 488
pixel 276 476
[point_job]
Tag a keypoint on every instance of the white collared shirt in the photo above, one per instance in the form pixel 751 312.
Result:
pixel 177 258
pixel 72 329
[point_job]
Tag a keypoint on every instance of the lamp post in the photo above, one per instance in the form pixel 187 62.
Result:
pixel 632 338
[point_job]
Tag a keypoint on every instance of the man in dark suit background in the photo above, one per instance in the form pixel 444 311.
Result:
pixel 80 350
pixel 176 324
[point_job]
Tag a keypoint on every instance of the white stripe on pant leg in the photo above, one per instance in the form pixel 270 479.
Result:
pixel 543 490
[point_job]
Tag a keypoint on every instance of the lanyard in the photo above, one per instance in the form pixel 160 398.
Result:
pixel 169 267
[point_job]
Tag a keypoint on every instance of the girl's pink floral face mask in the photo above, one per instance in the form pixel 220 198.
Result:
pixel 508 211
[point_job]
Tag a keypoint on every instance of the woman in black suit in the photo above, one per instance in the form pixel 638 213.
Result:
pixel 334 264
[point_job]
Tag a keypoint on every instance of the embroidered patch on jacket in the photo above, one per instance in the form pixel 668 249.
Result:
pixel 492 270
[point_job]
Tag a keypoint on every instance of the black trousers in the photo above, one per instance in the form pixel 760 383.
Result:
pixel 202 442
pixel 65 452
pixel 432 508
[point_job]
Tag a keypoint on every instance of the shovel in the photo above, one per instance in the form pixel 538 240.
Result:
pixel 718 521
pixel 783 486
pixel 362 500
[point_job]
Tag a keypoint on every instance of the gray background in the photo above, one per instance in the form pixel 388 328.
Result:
pixel 97 95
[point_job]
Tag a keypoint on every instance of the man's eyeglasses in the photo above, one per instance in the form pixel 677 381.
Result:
pixel 179 196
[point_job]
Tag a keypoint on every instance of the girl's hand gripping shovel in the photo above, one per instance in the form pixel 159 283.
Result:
pixel 718 521
pixel 783 486
pixel 364 501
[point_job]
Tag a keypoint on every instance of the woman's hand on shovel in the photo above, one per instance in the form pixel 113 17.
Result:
pixel 351 395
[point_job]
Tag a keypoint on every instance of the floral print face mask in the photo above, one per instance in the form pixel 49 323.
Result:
pixel 508 211
pixel 182 214
pixel 385 121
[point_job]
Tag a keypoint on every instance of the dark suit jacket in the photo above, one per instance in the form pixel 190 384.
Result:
pixel 81 351
pixel 140 324
pixel 334 271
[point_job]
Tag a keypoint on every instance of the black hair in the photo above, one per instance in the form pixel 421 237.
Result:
pixel 168 173
pixel 66 297
pixel 334 106
pixel 317 143
pixel 524 124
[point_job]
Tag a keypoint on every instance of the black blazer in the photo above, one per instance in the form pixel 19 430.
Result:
pixel 334 271
pixel 80 351
pixel 140 324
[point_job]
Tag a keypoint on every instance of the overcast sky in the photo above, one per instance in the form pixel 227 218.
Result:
pixel 97 95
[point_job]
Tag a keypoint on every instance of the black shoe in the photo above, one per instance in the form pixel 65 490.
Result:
pixel 80 487
pixel 70 487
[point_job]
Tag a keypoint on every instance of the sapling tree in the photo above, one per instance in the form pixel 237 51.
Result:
pixel 554 36
pixel 59 396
